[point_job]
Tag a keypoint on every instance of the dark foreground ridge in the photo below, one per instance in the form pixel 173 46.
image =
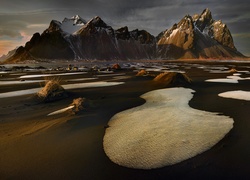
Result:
pixel 196 37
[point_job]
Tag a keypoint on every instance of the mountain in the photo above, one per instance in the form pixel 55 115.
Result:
pixel 89 40
pixel 97 40
pixel 196 37
pixel 73 24
pixel 10 54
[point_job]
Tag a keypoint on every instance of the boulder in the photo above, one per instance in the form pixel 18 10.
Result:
pixel 52 91
pixel 172 79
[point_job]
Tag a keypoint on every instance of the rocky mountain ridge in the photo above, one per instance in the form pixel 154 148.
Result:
pixel 196 37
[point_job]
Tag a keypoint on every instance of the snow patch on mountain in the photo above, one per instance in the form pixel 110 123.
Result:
pixel 73 24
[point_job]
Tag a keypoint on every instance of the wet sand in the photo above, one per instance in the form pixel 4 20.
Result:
pixel 64 146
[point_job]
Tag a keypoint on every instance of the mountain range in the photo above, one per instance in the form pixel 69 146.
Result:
pixel 194 37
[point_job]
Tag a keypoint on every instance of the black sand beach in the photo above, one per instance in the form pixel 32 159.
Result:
pixel 65 146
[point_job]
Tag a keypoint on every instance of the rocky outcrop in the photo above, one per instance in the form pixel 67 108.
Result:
pixel 52 91
pixel 178 41
pixel 172 79
pixel 214 29
pixel 196 37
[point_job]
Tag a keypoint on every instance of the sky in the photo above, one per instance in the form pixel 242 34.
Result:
pixel 19 20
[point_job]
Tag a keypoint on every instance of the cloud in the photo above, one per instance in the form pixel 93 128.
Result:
pixel 37 26
pixel 4 33
pixel 242 35
pixel 7 45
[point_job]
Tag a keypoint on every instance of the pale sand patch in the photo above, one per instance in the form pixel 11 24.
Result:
pixel 177 71
pixel 2 83
pixel 18 74
pixel 218 71
pixel 241 95
pixel 229 79
pixel 163 131
pixel 67 86
pixel 121 77
pixel 222 80
pixel 237 74
pixel 81 79
pixel 243 71
pixel 19 93
pixel 238 78
pixel 46 75
pixel 106 75
pixel 61 110
pixel 153 69
pixel 91 84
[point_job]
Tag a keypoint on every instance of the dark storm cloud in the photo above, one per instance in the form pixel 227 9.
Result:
pixel 153 16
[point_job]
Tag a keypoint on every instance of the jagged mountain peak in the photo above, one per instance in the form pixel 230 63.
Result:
pixel 93 26
pixel 204 19
pixel 185 23
pixel 76 20
pixel 67 26
pixel 97 22
pixel 54 26
pixel 195 37
pixel 206 14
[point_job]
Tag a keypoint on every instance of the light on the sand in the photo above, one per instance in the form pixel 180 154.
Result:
pixel 61 110
pixel 67 86
pixel 241 95
pixel 230 79
pixel 223 80
pixel 47 75
pixel 163 131
pixel 19 82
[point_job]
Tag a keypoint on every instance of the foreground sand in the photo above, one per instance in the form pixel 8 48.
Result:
pixel 36 146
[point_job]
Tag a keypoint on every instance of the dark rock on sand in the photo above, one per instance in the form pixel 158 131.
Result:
pixel 172 79
pixel 52 91
pixel 116 67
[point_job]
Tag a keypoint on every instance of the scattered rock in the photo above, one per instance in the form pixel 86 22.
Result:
pixel 233 70
pixel 52 91
pixel 142 73
pixel 78 104
pixel 116 66
pixel 172 79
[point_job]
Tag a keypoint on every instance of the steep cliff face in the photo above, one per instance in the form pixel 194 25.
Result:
pixel 197 37
pixel 214 29
pixel 97 40
pixel 178 41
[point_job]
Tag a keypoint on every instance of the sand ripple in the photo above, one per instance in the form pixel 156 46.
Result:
pixel 163 131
